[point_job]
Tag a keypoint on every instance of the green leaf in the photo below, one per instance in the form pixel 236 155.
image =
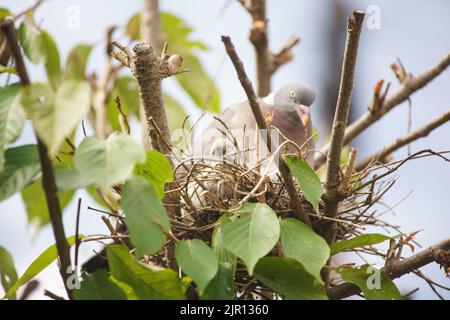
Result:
pixel 223 255
pixel 10 70
pixel 306 178
pixel 304 245
pixel 98 286
pixel 374 283
pixel 198 261
pixel 69 179
pixel 222 286
pixel 363 240
pixel 289 278
pixel 108 162
pixel 8 273
pixel 175 113
pixel 148 283
pixel 197 83
pixel 77 61
pixel 12 118
pixel 126 89
pixel 55 116
pixel 252 236
pixel 52 60
pixel 156 169
pixel 4 13
pixel 35 202
pixel 133 27
pixel 41 262
pixel 199 86
pixel 22 166
pixel 31 40
pixel 129 292
pixel 146 217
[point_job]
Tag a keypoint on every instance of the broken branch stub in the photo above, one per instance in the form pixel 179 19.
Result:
pixel 149 68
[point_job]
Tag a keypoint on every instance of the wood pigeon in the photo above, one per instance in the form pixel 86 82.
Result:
pixel 287 109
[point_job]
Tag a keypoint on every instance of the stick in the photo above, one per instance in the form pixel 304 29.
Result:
pixel 331 195
pixel 396 269
pixel 408 87
pixel 420 133
pixel 248 88
pixel 48 176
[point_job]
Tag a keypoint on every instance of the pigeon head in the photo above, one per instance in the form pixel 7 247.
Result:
pixel 295 99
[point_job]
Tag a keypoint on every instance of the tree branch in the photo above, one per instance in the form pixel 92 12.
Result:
pixel 266 62
pixel 420 133
pixel 150 33
pixel 408 87
pixel 150 69
pixel 48 176
pixel 396 269
pixel 331 195
pixel 253 101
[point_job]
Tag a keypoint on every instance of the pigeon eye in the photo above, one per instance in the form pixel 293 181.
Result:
pixel 292 93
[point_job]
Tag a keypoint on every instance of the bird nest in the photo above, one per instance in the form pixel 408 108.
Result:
pixel 211 186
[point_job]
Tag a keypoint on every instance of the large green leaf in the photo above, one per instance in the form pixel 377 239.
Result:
pixel 22 166
pixel 98 286
pixel 148 283
pixel 8 273
pixel 31 39
pixel 146 217
pixel 223 255
pixel 198 261
pixel 197 83
pixel 252 236
pixel 363 240
pixel 41 262
pixel 374 283
pixel 39 47
pixel 289 278
pixel 106 163
pixel 52 60
pixel 306 178
pixel 156 169
pixel 199 86
pixel 222 286
pixel 55 116
pixel 12 118
pixel 304 245
pixel 77 61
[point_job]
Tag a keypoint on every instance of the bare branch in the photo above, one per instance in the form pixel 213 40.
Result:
pixel 331 197
pixel 284 55
pixel 408 87
pixel 252 99
pixel 383 154
pixel 397 269
pixel 48 176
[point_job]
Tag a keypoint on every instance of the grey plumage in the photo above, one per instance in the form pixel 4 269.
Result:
pixel 286 109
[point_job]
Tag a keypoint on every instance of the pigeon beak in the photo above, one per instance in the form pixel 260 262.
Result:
pixel 303 112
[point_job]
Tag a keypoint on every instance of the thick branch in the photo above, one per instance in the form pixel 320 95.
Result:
pixel 332 181
pixel 150 69
pixel 253 101
pixel 408 87
pixel 150 33
pixel 48 176
pixel 420 133
pixel 396 269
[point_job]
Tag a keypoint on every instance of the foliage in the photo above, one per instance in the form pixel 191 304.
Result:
pixel 271 250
